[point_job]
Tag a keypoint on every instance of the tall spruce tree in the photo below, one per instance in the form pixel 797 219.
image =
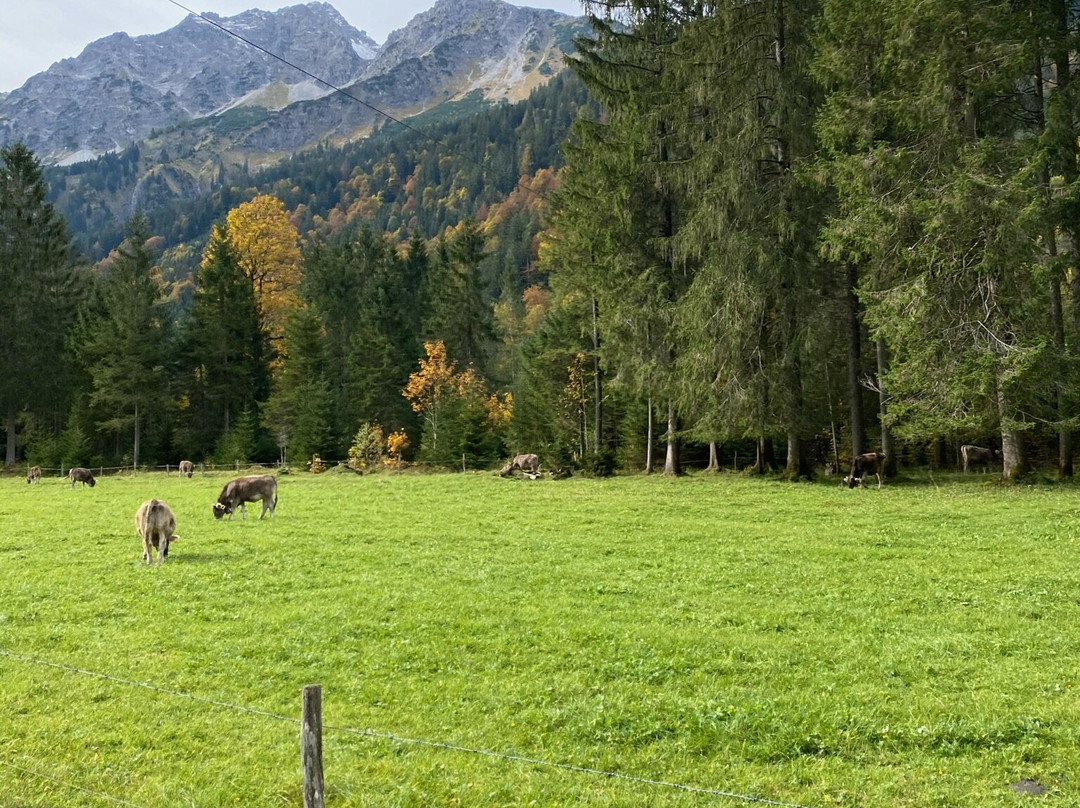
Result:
pixel 125 339
pixel 624 259
pixel 932 181
pixel 40 291
pixel 741 84
pixel 226 351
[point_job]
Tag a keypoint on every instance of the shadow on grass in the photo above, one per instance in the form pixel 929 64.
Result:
pixel 199 558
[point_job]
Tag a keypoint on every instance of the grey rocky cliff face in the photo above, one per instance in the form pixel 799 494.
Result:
pixel 120 88
pixel 199 103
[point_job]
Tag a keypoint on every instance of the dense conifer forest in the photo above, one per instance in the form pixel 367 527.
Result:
pixel 774 235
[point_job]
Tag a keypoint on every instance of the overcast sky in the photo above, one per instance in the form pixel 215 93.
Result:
pixel 36 33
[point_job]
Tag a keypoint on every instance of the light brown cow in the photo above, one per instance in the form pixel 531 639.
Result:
pixel 861 465
pixel 187 467
pixel 156 524
pixel 33 474
pixel 528 463
pixel 81 475
pixel 247 489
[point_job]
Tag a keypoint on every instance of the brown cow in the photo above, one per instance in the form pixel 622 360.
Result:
pixel 528 463
pixel 156 524
pixel 33 474
pixel 186 467
pixel 247 489
pixel 978 456
pixel 861 465
pixel 81 475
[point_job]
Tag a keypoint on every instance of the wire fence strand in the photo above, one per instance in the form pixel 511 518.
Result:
pixel 68 784
pixel 386 736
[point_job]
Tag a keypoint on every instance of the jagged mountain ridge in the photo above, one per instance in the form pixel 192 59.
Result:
pixel 123 90
pixel 120 88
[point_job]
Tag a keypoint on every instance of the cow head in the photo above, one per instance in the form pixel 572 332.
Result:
pixel 91 482
pixel 219 510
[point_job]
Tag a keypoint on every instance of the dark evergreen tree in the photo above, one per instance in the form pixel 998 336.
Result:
pixel 40 291
pixel 125 341
pixel 226 354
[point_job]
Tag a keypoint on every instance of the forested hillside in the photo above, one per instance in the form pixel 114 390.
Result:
pixel 425 173
pixel 791 232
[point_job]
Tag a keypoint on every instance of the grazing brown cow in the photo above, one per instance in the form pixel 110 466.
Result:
pixel 81 475
pixel 33 474
pixel 247 489
pixel 187 467
pixel 157 526
pixel 978 456
pixel 528 463
pixel 861 465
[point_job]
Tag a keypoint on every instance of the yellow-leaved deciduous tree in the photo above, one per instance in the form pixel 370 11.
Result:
pixel 396 443
pixel 268 246
pixel 429 387
pixel 457 403
pixel 500 409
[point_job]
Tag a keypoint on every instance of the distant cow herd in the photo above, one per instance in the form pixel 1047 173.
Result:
pixel 155 521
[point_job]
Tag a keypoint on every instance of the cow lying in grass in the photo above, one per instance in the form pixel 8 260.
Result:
pixel 861 465
pixel 156 524
pixel 529 464
pixel 33 474
pixel 186 467
pixel 81 475
pixel 247 489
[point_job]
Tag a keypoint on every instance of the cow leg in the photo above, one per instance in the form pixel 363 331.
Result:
pixel 243 511
pixel 879 479
pixel 146 550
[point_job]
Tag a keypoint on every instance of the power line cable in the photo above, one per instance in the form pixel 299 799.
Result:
pixel 334 87
pixel 294 66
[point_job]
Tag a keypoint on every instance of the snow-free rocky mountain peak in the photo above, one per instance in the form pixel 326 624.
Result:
pixel 122 90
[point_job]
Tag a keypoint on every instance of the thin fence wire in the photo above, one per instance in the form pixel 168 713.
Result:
pixel 385 736
pixel 69 785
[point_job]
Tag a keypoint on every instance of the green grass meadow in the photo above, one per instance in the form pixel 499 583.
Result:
pixel 917 645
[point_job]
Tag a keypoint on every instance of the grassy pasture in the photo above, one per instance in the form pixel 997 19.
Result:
pixel 913 646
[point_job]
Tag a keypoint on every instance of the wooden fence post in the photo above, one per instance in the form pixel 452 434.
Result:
pixel 311 745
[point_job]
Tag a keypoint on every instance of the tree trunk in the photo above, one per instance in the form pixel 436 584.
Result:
pixel 9 456
pixel 598 383
pixel 135 460
pixel 796 461
pixel 649 459
pixel 672 463
pixel 858 423
pixel 714 457
pixel 883 409
pixel 1057 315
pixel 765 459
pixel 1012 445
